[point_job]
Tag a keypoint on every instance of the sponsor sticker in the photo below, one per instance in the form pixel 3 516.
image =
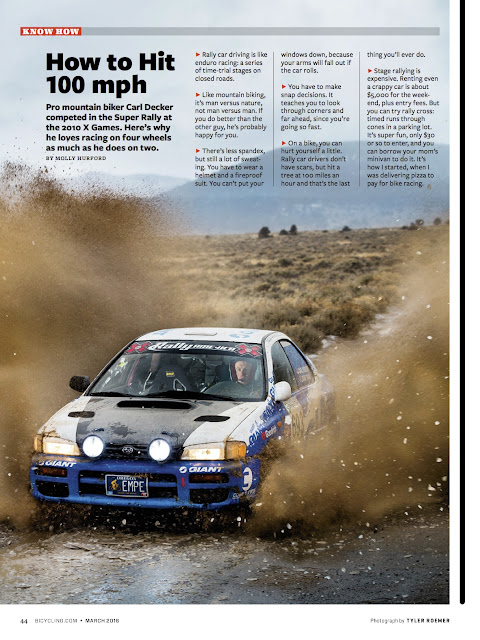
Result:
pixel 244 494
pixel 239 349
pixel 268 432
pixel 138 347
pixel 56 463
pixel 247 478
pixel 198 469
pixel 245 349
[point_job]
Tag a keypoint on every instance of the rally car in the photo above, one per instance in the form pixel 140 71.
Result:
pixel 179 419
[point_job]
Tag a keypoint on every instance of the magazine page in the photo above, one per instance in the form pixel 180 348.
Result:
pixel 230 372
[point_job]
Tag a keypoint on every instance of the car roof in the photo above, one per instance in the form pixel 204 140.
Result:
pixel 209 334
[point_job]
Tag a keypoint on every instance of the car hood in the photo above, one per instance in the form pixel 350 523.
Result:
pixel 123 421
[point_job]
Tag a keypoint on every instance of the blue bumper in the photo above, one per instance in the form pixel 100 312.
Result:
pixel 177 484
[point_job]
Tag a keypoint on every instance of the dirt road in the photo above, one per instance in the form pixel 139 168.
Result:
pixel 404 559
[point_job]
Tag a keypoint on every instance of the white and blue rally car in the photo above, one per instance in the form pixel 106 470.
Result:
pixel 179 419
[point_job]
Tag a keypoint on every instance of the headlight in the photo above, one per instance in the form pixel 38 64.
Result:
pixel 93 446
pixel 235 450
pixel 37 444
pixel 56 446
pixel 232 451
pixel 159 450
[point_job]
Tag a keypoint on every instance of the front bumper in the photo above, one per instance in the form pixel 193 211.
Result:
pixel 177 484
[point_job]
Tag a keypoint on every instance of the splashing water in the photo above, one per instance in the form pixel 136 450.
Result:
pixel 389 450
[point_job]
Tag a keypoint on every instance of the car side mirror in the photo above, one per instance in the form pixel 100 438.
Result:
pixel 79 383
pixel 283 391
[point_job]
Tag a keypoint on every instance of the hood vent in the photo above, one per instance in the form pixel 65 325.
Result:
pixel 153 404
pixel 81 414
pixel 212 418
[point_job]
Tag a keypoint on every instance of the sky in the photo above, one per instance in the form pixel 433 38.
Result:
pixel 25 91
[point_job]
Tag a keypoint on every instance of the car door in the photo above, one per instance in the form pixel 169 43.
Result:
pixel 308 393
pixel 295 424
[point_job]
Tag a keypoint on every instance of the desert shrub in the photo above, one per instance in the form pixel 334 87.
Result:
pixel 344 320
pixel 286 274
pixel 322 264
pixel 366 279
pixel 351 265
pixel 356 263
pixel 277 315
pixel 306 308
pixel 305 336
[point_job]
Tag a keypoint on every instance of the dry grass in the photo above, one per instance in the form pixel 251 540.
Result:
pixel 310 286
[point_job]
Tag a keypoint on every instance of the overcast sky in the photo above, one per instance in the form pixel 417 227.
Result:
pixel 25 91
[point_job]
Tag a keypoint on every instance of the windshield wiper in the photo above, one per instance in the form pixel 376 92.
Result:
pixel 113 394
pixel 193 395
pixel 174 394
pixel 218 397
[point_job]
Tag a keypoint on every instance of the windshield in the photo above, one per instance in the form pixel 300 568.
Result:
pixel 214 370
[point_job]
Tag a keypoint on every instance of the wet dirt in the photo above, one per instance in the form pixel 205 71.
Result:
pixel 401 560
pixel 387 471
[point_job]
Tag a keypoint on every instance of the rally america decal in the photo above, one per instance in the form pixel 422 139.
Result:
pixel 253 350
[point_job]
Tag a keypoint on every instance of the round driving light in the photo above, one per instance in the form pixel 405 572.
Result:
pixel 159 450
pixel 93 446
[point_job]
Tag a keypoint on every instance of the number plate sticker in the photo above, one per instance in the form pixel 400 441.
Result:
pixel 126 486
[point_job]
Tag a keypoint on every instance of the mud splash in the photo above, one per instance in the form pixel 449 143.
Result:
pixel 389 450
pixel 81 275
pixel 77 283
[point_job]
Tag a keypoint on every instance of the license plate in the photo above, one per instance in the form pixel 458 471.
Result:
pixel 126 486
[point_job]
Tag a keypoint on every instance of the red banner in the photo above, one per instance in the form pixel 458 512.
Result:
pixel 50 31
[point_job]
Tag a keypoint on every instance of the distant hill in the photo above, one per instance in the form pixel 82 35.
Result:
pixel 239 210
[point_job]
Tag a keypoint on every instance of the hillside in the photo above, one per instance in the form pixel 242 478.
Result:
pixel 230 210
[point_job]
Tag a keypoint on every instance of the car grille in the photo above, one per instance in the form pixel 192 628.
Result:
pixel 118 452
pixel 93 483
pixel 131 452
pixel 208 478
pixel 208 496
pixel 160 486
pixel 53 489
